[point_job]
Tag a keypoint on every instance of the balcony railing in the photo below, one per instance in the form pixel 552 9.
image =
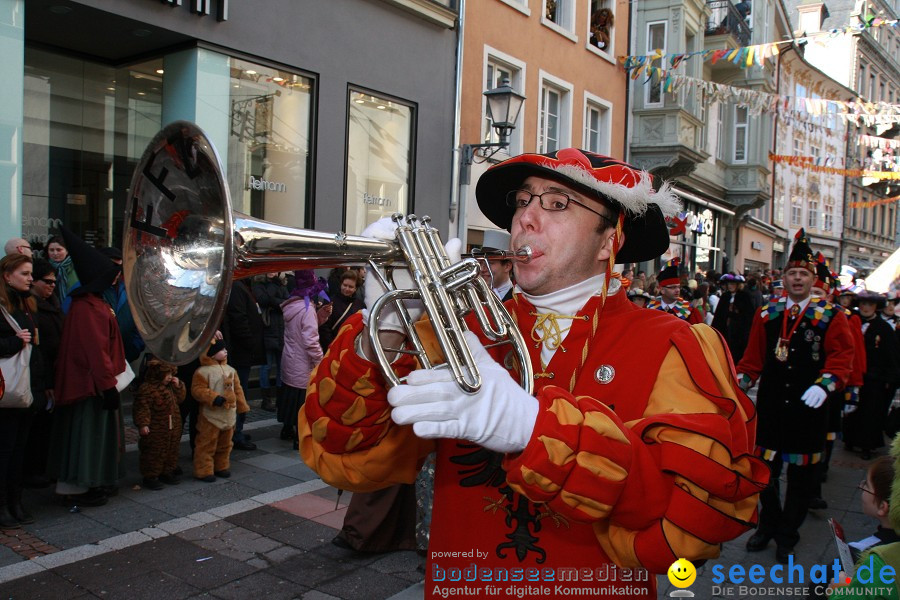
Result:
pixel 726 18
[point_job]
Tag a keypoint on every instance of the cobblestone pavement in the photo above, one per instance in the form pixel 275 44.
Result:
pixel 266 531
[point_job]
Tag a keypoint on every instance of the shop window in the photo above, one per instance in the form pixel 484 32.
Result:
pixel 602 21
pixel 379 158
pixel 269 142
pixel 86 126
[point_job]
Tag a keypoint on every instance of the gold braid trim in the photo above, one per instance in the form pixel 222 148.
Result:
pixel 595 322
pixel 546 330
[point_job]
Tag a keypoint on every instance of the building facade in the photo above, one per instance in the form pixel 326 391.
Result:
pixel 325 115
pixel 559 54
pixel 804 197
pixel 715 150
pixel 866 60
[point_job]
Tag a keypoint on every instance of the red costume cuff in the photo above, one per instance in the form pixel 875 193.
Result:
pixel 577 459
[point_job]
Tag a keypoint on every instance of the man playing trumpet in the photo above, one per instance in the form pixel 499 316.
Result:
pixel 635 448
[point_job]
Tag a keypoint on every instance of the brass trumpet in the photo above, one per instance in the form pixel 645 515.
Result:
pixel 183 246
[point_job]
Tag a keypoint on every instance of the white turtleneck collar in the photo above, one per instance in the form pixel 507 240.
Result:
pixel 568 301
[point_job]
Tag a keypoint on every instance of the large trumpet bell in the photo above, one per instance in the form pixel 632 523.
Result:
pixel 184 246
pixel 177 243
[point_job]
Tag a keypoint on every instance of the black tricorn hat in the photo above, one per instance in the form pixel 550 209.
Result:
pixel 611 182
pixel 95 271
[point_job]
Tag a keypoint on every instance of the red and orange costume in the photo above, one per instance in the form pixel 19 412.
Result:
pixel 641 453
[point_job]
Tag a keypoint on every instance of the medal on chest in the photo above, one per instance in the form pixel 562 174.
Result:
pixel 781 349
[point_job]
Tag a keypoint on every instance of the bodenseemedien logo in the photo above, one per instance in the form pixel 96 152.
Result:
pixel 682 574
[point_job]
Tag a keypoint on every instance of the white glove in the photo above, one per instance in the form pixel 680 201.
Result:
pixel 744 382
pixel 814 397
pixel 500 416
pixel 386 229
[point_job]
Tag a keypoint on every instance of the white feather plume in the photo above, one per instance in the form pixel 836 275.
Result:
pixel 634 199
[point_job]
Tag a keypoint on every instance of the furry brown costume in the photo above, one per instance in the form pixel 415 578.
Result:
pixel 215 424
pixel 156 407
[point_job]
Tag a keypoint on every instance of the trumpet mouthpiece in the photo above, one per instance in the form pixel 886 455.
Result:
pixel 524 254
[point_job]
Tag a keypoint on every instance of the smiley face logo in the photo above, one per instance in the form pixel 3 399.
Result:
pixel 682 573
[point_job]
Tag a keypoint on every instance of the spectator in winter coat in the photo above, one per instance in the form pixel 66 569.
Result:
pixel 50 324
pixel 243 330
pixel 270 292
pixel 345 304
pixel 302 351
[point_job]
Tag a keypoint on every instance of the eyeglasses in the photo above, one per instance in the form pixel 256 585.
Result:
pixel 864 487
pixel 19 248
pixel 49 281
pixel 552 201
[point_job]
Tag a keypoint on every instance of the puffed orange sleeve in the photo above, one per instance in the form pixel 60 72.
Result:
pixel 345 428
pixel 675 483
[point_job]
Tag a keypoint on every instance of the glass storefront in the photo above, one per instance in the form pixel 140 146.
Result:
pixel 269 143
pixel 695 238
pixel 86 126
pixel 379 159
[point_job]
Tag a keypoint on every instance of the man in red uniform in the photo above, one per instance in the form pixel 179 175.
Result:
pixel 670 300
pixel 635 448
pixel 800 350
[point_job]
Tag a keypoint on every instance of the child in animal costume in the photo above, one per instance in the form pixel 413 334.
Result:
pixel 218 392
pixel 158 419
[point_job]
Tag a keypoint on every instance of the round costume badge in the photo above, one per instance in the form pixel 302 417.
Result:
pixel 605 374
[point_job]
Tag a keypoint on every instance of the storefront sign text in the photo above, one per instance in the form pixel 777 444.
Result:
pixel 203 8
pixel 265 185
pixel 369 199
pixel 690 221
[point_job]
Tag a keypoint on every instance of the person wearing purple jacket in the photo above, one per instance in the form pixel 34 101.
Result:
pixel 302 351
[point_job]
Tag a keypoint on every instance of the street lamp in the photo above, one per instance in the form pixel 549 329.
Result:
pixel 503 107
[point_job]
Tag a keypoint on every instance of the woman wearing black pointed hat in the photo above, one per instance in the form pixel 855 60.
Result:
pixel 88 432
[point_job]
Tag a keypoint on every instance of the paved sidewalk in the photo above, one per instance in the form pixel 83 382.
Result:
pixel 266 532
